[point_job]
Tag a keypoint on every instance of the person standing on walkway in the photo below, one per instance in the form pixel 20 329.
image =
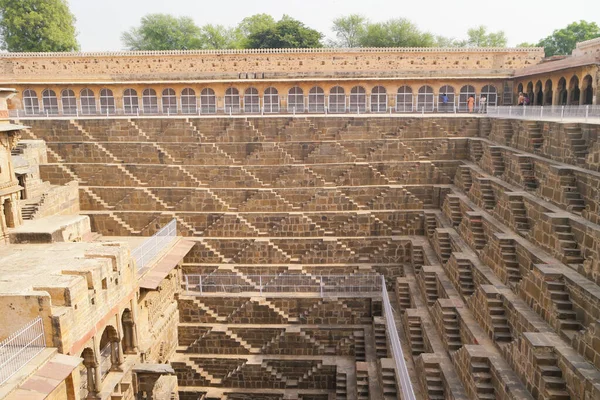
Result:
pixel 444 102
pixel 471 103
pixel 482 104
pixel 521 99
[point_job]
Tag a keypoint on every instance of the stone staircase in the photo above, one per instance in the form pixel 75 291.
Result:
pixel 519 214
pixel 465 277
pixel 430 283
pixel 415 336
pixel 563 308
pixel 552 382
pixel 482 376
pixel 576 141
pixel 30 207
pixel 388 383
pixel 433 379
pixel 534 133
pixel 527 173
pixel 362 383
pixel 379 331
pixel 571 194
pixel 453 206
pixel 500 329
pixel 451 328
pixel 508 252
pixel 475 150
pixel 497 160
pixel 487 194
pixel 570 252
pixel 476 225
pixel 341 386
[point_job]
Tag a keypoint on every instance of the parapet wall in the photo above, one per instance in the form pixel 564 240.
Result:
pixel 263 64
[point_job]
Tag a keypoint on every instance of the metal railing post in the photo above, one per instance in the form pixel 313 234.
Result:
pixel 562 113
pixel 261 285
pixel 200 284
pixel 541 111
pixel 587 111
pixel 187 284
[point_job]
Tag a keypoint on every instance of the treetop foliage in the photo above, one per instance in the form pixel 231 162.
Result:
pixel 563 41
pixel 37 26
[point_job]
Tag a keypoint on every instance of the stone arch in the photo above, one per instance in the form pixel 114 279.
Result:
pixel 491 95
pixel 538 99
pixel 529 92
pixel 358 99
pixel 561 88
pixel 251 100
pixel 188 100
pixel 31 102
pixel 87 99
pixel 588 90
pixel 379 99
pixel 131 102
pixel 404 99
pixel 574 91
pixel 295 100
pixel 169 101
pixel 208 100
pixel 68 101
pixel 50 101
pixel 548 93
pixel 232 100
pixel 463 98
pixel 337 100
pixel 316 99
pixel 271 100
pixel 520 88
pixel 111 352
pixel 149 101
pixel 425 99
pixel 107 101
pixel 448 91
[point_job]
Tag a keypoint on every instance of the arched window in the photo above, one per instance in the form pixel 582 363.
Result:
pixel 491 95
pixel 169 101
pixel 574 92
pixel 337 100
pixel 449 106
pixel 538 98
pixel 425 99
pixel 404 99
pixel 188 101
pixel 208 101
pixel 463 98
pixel 232 100
pixel 562 91
pixel 548 93
pixel 31 102
pixel 111 356
pixel 588 90
pixel 50 101
pixel 271 100
pixel 316 100
pixel 358 99
pixel 131 103
pixel 251 101
pixel 107 102
pixel 530 93
pixel 378 99
pixel 69 102
pixel 295 100
pixel 149 101
pixel 88 102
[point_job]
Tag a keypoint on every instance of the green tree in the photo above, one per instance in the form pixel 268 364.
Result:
pixel 479 37
pixel 286 33
pixel 526 44
pixel 349 30
pixel 396 33
pixel 37 25
pixel 562 41
pixel 253 25
pixel 442 41
pixel 163 32
pixel 220 37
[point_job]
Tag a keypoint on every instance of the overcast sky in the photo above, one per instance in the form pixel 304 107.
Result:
pixel 101 22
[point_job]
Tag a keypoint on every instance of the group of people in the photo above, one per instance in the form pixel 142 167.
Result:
pixel 470 103
pixel 523 99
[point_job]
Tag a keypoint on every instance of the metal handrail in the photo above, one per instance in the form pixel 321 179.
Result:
pixel 547 113
pixel 152 246
pixel 263 285
pixel 20 348
pixel 402 377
